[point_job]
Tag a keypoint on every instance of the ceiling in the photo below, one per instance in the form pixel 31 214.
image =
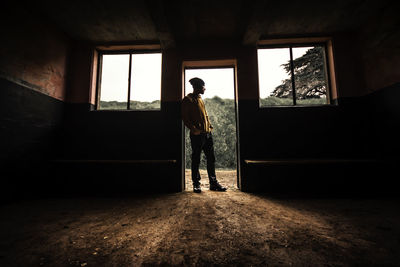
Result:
pixel 174 22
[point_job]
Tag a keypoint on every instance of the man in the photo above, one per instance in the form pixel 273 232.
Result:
pixel 195 117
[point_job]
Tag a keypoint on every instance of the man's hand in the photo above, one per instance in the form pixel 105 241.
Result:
pixel 195 131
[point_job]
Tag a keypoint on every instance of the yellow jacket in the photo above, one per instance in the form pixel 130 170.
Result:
pixel 194 115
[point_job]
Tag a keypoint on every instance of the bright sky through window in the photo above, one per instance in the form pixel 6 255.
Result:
pixel 114 78
pixel 270 70
pixel 218 82
pixel 145 77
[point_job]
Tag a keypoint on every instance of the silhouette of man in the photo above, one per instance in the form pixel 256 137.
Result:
pixel 194 116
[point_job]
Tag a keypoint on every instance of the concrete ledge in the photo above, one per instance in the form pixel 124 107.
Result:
pixel 306 161
pixel 128 161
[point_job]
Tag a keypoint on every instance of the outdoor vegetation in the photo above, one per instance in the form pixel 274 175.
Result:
pixel 137 105
pixel 309 76
pixel 309 79
pixel 222 117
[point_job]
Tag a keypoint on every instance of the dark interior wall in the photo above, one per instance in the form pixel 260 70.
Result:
pixel 79 72
pixel 131 135
pixel 119 139
pixel 380 49
pixel 33 59
pixel 362 127
pixel 339 131
pixel 126 142
pixel 379 46
pixel 342 131
pixel 350 78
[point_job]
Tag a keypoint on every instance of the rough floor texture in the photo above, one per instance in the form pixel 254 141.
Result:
pixel 227 178
pixel 211 228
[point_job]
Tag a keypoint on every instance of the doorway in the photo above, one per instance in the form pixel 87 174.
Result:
pixel 221 106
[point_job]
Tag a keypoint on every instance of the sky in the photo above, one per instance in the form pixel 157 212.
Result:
pixel 146 76
pixel 218 82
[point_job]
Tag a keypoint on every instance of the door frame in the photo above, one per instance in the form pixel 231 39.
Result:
pixel 213 64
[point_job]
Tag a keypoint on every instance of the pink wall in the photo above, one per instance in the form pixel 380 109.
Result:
pixel 80 82
pixel 33 53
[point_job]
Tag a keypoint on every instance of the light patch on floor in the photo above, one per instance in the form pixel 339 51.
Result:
pixel 212 228
pixel 227 178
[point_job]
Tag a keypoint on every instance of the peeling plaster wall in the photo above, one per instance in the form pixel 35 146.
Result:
pixel 33 53
pixel 79 82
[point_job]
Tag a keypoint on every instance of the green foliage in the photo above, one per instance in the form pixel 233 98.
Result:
pixel 309 76
pixel 134 105
pixel 113 105
pixel 277 101
pixel 137 105
pixel 222 117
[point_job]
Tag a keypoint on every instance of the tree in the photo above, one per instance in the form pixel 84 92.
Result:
pixel 309 76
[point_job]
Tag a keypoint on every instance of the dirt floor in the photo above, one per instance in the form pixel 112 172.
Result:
pixel 227 178
pixel 209 229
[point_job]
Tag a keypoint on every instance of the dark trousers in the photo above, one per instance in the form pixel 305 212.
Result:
pixel 202 142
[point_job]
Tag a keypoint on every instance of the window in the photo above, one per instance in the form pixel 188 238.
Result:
pixel 293 75
pixel 129 81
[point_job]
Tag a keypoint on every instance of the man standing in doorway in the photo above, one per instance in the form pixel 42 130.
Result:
pixel 195 117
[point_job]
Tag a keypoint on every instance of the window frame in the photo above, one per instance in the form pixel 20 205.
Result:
pixel 100 53
pixel 289 43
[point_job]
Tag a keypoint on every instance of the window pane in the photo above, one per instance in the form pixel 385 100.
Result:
pixel 274 77
pixel 309 73
pixel 146 81
pixel 114 82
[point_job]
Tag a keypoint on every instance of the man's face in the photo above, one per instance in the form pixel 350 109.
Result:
pixel 200 90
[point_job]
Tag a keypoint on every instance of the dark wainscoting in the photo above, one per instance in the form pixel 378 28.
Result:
pixel 349 148
pixel 49 148
pixel 120 152
pixel 29 121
